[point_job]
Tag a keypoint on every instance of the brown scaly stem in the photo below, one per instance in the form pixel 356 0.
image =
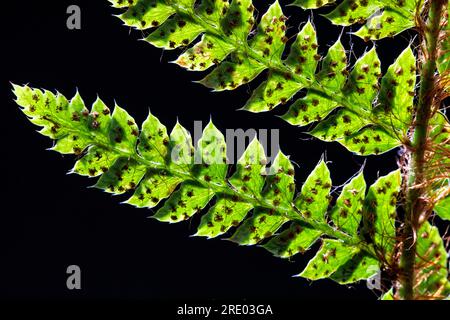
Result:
pixel 416 187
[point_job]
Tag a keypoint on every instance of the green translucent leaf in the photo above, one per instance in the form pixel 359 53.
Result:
pixel 312 4
pixel 153 140
pixel 309 109
pixel 314 107
pixel 297 239
pixel 237 54
pixel 389 23
pixel 370 140
pixel 362 85
pixel 250 170
pixel 349 11
pixel 154 187
pixel 122 176
pixel 122 3
pixel 211 155
pixel 442 209
pixel 231 74
pixel 360 267
pixel 205 54
pixel 339 126
pixel 157 166
pixel 279 190
pixel 213 10
pixel 380 211
pixel 269 38
pixel 276 90
pixel 331 257
pixel 96 162
pixel 313 200
pixel 382 18
pixel 226 213
pixel 388 295
pixel 176 32
pixel 432 275
pixel 239 21
pixel 262 224
pixel 397 91
pixel 347 212
pixel 123 131
pixel 280 185
pixel 279 88
pixel 334 67
pixel 303 57
pixel 184 203
pixel 143 14
pixel 181 149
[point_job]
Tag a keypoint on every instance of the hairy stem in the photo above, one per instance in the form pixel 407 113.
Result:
pixel 416 190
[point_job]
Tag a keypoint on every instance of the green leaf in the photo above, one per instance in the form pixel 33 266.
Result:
pixel 388 295
pixel 154 147
pixel 231 74
pixel 226 213
pixel 431 260
pixel 314 198
pixel 396 97
pixel 389 23
pixel 205 54
pixel 144 13
pixel 331 257
pixel 348 12
pixel 268 40
pixel 124 175
pixel 181 148
pixel 314 107
pixel 297 238
pixel 380 211
pixel 312 4
pixel 347 212
pixel 360 267
pixel 442 209
pixel 249 175
pixel 382 18
pixel 153 166
pixel 177 32
pixel 238 21
pixel 262 224
pixel 154 187
pixel 238 53
pixel 279 190
pixel 279 87
pixel 211 153
pixel 191 198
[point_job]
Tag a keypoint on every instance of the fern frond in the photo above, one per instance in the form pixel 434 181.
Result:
pixel 438 165
pixel 259 203
pixel 349 106
pixel 382 18
pixel 431 280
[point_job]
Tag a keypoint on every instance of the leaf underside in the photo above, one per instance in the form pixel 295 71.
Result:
pixel 350 105
pixel 256 205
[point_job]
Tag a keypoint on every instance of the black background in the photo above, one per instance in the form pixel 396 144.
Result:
pixel 50 220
